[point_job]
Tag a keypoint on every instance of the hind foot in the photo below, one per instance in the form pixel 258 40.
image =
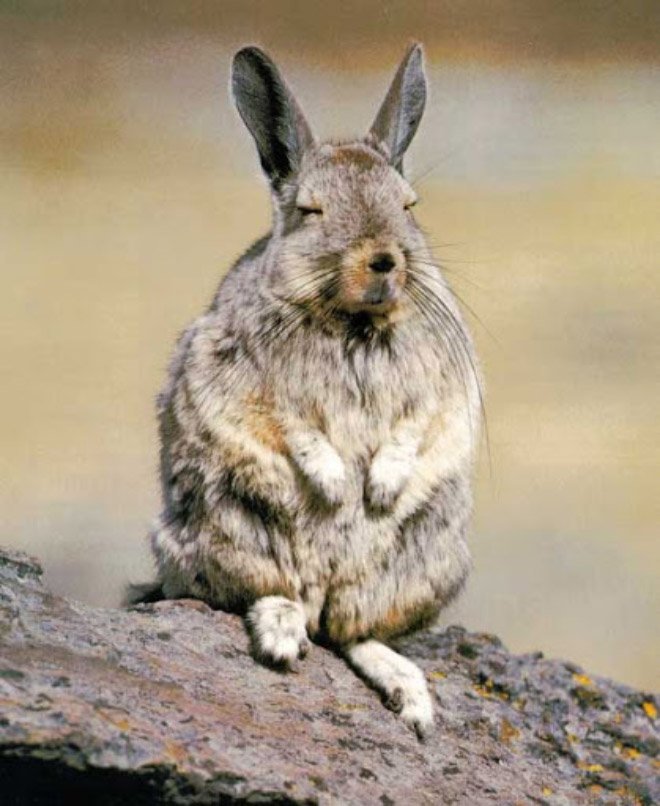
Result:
pixel 277 630
pixel 401 683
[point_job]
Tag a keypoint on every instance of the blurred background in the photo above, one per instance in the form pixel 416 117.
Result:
pixel 128 185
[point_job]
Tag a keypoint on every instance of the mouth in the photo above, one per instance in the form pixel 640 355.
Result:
pixel 381 296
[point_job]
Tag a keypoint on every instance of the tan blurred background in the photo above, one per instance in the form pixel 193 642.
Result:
pixel 128 185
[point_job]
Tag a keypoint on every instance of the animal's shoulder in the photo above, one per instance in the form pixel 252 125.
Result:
pixel 241 276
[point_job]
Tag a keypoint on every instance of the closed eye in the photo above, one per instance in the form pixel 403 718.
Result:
pixel 407 205
pixel 309 211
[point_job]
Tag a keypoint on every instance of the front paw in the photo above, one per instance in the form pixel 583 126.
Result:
pixel 278 632
pixel 327 474
pixel 388 475
pixel 322 467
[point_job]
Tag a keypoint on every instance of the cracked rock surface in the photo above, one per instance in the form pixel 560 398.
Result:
pixel 163 704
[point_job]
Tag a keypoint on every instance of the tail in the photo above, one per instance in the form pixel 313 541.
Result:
pixel 144 593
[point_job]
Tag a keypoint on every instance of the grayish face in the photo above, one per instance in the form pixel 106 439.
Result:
pixel 348 231
pixel 344 238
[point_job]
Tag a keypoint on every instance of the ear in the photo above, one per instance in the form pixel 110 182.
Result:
pixel 398 117
pixel 271 113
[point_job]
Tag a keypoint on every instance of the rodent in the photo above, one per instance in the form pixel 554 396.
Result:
pixel 320 420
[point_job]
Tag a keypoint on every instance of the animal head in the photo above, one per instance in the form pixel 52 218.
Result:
pixel 344 236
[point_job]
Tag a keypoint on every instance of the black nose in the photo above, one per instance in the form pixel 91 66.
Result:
pixel 382 262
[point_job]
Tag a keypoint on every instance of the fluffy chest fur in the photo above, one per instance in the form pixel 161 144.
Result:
pixel 356 388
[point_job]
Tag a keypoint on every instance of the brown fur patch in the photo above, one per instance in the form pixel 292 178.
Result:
pixel 397 621
pixel 356 155
pixel 357 275
pixel 261 421
pixel 238 579
pixel 401 620
pixel 317 417
pixel 273 587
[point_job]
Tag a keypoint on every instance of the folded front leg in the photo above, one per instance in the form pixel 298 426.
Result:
pixel 393 465
pixel 250 448
pixel 420 454
pixel 319 462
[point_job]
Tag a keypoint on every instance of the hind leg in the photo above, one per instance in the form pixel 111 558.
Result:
pixel 278 633
pixel 398 679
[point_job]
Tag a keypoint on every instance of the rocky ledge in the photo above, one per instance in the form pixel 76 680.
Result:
pixel 164 705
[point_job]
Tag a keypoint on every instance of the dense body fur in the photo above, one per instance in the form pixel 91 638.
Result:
pixel 319 422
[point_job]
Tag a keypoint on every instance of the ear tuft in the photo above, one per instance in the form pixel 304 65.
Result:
pixel 401 111
pixel 270 112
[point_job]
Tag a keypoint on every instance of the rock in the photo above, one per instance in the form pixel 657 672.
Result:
pixel 164 705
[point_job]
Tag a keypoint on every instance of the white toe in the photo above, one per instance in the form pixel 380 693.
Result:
pixel 417 710
pixel 277 627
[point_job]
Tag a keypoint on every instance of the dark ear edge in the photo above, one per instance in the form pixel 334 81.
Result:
pixel 271 114
pixel 401 111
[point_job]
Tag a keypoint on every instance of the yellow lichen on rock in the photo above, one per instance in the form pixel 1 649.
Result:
pixel 583 765
pixel 649 709
pixel 508 732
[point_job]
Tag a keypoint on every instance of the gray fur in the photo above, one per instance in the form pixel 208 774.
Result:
pixel 319 421
pixel 402 109
pixel 271 113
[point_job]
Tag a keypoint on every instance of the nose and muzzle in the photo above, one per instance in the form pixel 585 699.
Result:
pixel 382 262
pixel 383 282
pixel 374 276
